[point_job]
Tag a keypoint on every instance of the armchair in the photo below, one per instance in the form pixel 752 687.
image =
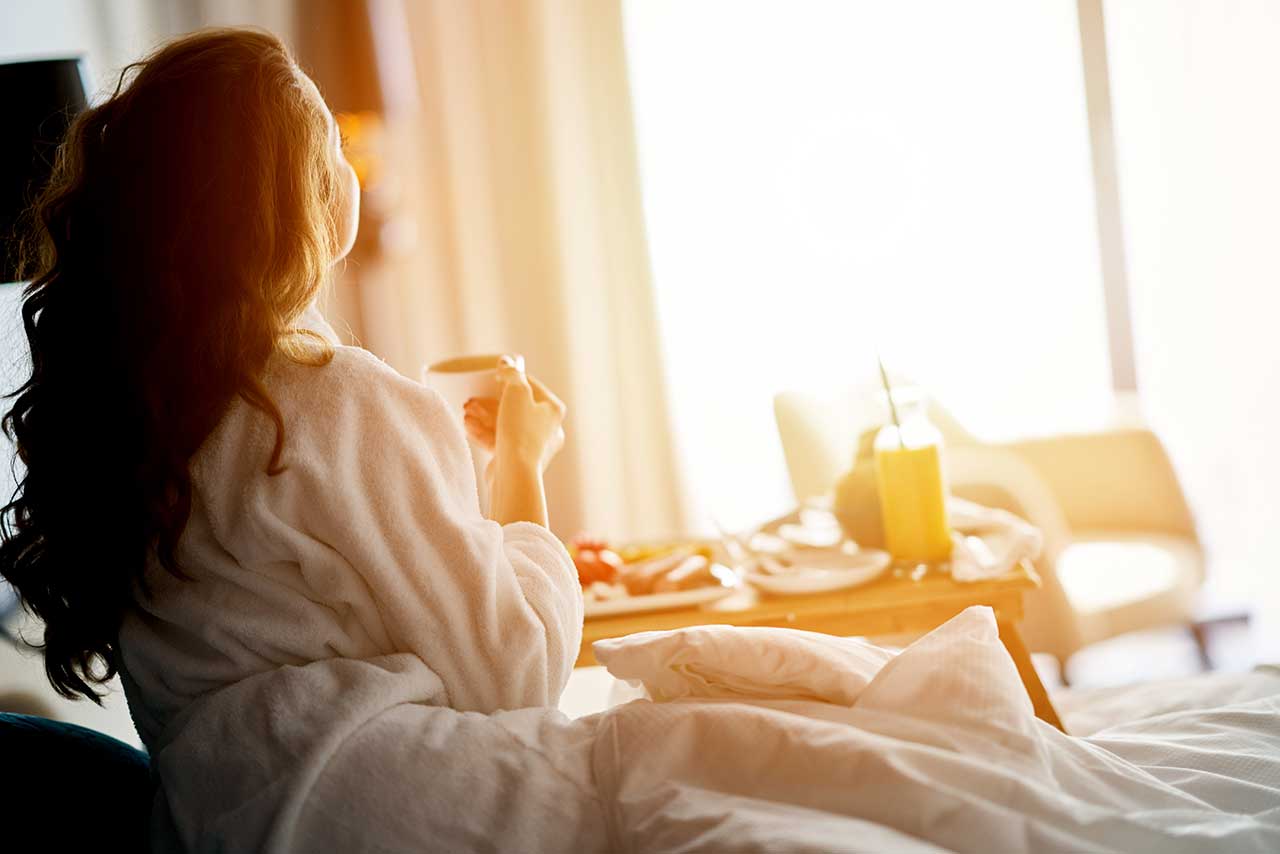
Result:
pixel 1121 549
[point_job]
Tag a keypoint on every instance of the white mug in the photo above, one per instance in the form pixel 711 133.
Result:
pixel 460 379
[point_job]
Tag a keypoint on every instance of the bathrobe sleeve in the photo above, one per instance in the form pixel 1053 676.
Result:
pixel 382 475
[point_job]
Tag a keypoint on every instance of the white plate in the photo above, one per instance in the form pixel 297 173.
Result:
pixel 663 601
pixel 822 572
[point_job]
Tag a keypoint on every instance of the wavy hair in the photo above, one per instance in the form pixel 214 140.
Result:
pixel 190 219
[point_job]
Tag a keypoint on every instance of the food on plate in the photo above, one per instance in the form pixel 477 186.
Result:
pixel 640 577
pixel 595 561
pixel 602 591
pixel 643 551
pixel 693 571
pixel 608 573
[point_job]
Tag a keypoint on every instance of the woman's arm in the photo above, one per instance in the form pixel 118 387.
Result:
pixel 517 493
pixel 382 475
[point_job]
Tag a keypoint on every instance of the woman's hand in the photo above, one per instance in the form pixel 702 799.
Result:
pixel 525 430
pixel 530 419
pixel 527 424
pixel 480 416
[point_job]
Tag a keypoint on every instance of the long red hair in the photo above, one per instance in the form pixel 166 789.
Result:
pixel 190 219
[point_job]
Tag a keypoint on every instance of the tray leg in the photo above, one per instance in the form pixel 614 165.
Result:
pixel 1012 640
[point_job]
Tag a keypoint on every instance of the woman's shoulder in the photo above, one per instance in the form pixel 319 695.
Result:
pixel 356 393
pixel 354 405
pixel 353 378
pixel 346 364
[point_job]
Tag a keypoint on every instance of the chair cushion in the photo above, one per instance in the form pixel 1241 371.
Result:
pixel 72 785
pixel 1119 582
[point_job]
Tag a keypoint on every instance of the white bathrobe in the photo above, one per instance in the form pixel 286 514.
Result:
pixel 341 616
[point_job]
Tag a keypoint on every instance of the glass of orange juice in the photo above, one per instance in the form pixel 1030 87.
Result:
pixel 910 483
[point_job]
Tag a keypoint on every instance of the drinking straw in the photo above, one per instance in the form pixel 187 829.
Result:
pixel 893 409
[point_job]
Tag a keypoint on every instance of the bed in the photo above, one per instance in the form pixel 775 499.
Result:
pixel 752 740
pixel 769 740
pixel 1089 711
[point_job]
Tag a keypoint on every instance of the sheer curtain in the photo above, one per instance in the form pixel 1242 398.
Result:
pixel 826 179
pixel 517 220
pixel 521 229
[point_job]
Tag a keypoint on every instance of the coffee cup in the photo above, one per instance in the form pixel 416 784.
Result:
pixel 458 380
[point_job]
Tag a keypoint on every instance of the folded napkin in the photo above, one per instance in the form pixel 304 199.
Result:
pixel 986 542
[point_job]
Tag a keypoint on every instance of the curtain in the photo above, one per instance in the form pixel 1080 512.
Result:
pixel 514 223
pixel 508 217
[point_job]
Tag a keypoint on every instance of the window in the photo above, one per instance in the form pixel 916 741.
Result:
pixel 825 180
pixel 1198 131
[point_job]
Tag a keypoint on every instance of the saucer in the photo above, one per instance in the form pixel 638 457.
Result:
pixel 810 571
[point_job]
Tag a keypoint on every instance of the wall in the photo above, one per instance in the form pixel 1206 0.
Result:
pixel 112 33
pixel 107 35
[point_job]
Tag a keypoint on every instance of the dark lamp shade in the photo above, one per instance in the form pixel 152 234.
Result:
pixel 38 98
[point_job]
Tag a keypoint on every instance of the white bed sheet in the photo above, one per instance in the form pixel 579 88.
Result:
pixel 1087 711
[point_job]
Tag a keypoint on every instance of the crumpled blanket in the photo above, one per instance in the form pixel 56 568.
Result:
pixel 940 750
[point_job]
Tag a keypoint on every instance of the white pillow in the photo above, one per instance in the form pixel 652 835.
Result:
pixel 732 662
pixel 959 673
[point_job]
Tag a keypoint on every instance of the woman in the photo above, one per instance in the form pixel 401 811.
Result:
pixel 275 540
